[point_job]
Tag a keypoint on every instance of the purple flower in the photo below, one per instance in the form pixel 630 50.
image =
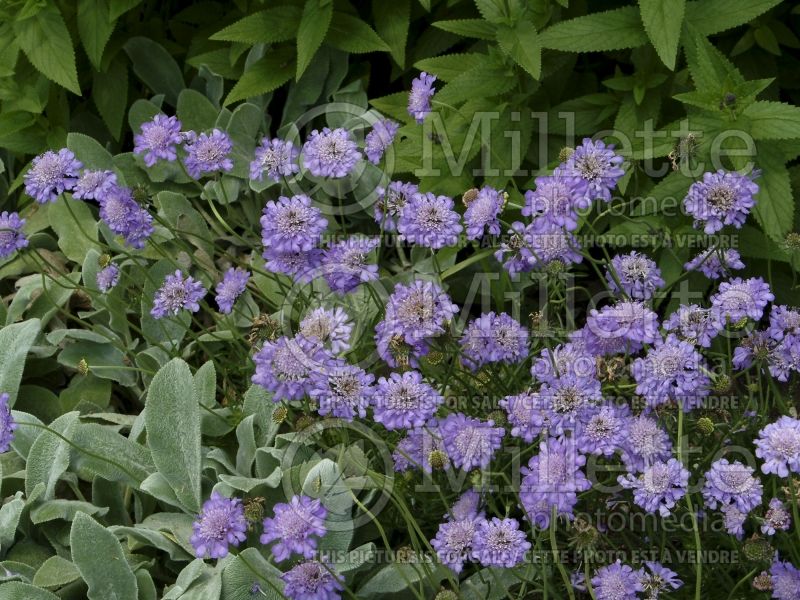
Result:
pixel 94 185
pixel 330 153
pixel 158 139
pixel 379 139
pixel 312 580
pixel 598 165
pixel 638 275
pixel 557 200
pixel 275 157
pixel 694 324
pixel 493 338
pixel 715 263
pixel 569 401
pixel 454 541
pixel 553 478
pixel 177 293
pixel 330 326
pixel 550 244
pixel 107 277
pixel 208 153
pixel 231 287
pixel 341 390
pixel 658 579
pixel 466 507
pixel 659 487
pixel 740 298
pixel 525 414
pixel 624 326
pixel 617 582
pixel 734 520
pixel 419 99
pixel 565 359
pixel 470 443
pixel 416 449
pixel 301 266
pixel 291 224
pixel 403 401
pixel 671 370
pixel 11 236
pixel 125 217
pixel 482 213
pixel 7 423
pixel 51 174
pixel 296 526
pixel 776 519
pixel 732 483
pixel 499 543
pixel 391 203
pixel 645 443
pixel 778 445
pixel 429 220
pixel 783 320
pixel 604 432
pixel 785 358
pixel 518 248
pixel 220 524
pixel 720 199
pixel 785 580
pixel 283 366
pixel 345 264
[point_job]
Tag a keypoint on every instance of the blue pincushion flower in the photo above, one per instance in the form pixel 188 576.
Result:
pixel 603 433
pixel 694 324
pixel 158 139
pixel 721 198
pixel 430 221
pixel 345 264
pixel 645 443
pixel 302 266
pixel 468 506
pixel 276 158
pixel 482 213
pixel 470 443
pixel 312 580
pixel 525 415
pixel 341 390
pixel 785 580
pixel 617 582
pixel 7 423
pixel 569 401
pixel 208 153
pixel 454 541
pixel 493 338
pixel 230 288
pixel 379 139
pixel 177 293
pixel 107 277
pixel 624 326
pixel 391 203
pixel 330 153
pixel 124 216
pixel 331 327
pixel 419 99
pixel 94 185
pixel 565 359
pixel 659 487
pixel 550 244
pixel 657 578
pixel 11 236
pixel 418 447
pixel 500 543
pixel 295 526
pixel 221 524
pixel 291 224
pixel 402 401
pixel 283 366
pixel 598 165
pixel 740 298
pixel 732 483
pixel 777 518
pixel 557 200
pixel 639 276
pixel 783 320
pixel 778 445
pixel 715 263
pixel 51 174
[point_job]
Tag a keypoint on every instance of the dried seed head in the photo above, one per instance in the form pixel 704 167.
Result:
pixel 565 154
pixel 279 414
pixel 762 582
pixel 758 549
pixel 470 195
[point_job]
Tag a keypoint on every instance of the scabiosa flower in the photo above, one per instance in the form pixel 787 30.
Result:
pixel 553 478
pixel 694 324
pixel 466 507
pixel 94 185
pixel 785 358
pixel 454 541
pixel 330 153
pixel 604 432
pixel 379 139
pixel 283 366
pixel 231 287
pixel 177 293
pixel 639 276
pixel 671 370
pixel 419 99
pixel 777 518
pixel 158 139
pixel 341 390
pixel 124 216
pixel 785 580
pixel 645 443
pixel 275 157
pixel 391 203
pixel 734 520
pixel 740 298
pixel 565 359
pixel 659 487
pixel 330 326
pixel 416 450
pixel 221 523
pixel 557 200
pixel 51 174
pixel 783 320
pixel 291 224
pixel 518 246
pixel 499 543
pixel 493 338
pixel 470 443
pixel 620 327
pixel 569 400
pixel 429 220
pixel 107 277
pixel 720 199
pixel 296 526
pixel 550 244
pixel 778 445
pixel 7 423
pixel 715 263
pixel 657 578
pixel 404 400
pixel 598 165
pixel 345 264
pixel 482 213
pixel 617 582
pixel 301 265
pixel 11 236
pixel 312 580
pixel 732 483
pixel 525 414
pixel 208 153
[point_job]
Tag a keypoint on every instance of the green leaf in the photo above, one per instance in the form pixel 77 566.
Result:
pixel 195 111
pixel 392 20
pixel 16 590
pixel 352 35
pixel 313 27
pixel 115 457
pixel 49 455
pixel 64 510
pixel 713 16
pixel 522 44
pixel 773 120
pixel 89 152
pixel 10 513
pixel 110 94
pixel 99 558
pixel 277 24
pixel 492 10
pixel 94 26
pixel 249 567
pixel 263 76
pixel 117 8
pixel 76 230
pixel 774 209
pixel 15 341
pixel 55 573
pixel 45 40
pixel 598 32
pixel 155 67
pixel 447 67
pixel 663 20
pixel 474 28
pixel 172 407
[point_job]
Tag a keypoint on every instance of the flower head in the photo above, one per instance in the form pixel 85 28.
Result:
pixel 732 483
pixel 659 486
pixel 107 277
pixel 208 153
pixel 300 265
pixel 598 165
pixel 557 200
pixel 419 99
pixel 569 401
pixel 500 543
pixel 158 139
pixel 404 400
pixel 720 199
pixel 639 276
pixel 565 359
pixel 341 390
pixel 331 327
pixel 694 324
pixel 656 578
pixel 283 366
pixel 330 153
pixel 231 287
pixel 124 216
pixel 783 320
pixel 482 213
pixel 785 580
pixel 604 432
pixel 470 443
pixel 778 445
pixel 11 236
pixel 312 580
pixel 617 582
pixel 177 293
pixel 345 264
pixel 391 203
pixel 740 298
pixel 296 526
pixel 7 423
pixel 619 327
pixel 429 220
pixel 379 139
pixel 715 263
pixel 291 224
pixel 94 185
pixel 51 174
pixel 493 338
pixel 525 414
pixel 454 541
pixel 777 518
pixel 420 445
pixel 466 507
pixel 221 523
pixel 275 157
pixel 645 443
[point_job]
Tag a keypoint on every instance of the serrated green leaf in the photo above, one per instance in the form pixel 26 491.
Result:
pixel 598 32
pixel 711 70
pixel 155 67
pixel 474 28
pixel 15 341
pixel 492 10
pixel 773 120
pixel 263 76
pixel 49 455
pixel 774 209
pixel 713 16
pixel 313 27
pixel 487 79
pixel 663 20
pixel 99 558
pixel 171 409
pixel 45 40
pixel 353 35
pixel 94 26
pixel 521 43
pixel 391 21
pixel 449 66
pixel 277 24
